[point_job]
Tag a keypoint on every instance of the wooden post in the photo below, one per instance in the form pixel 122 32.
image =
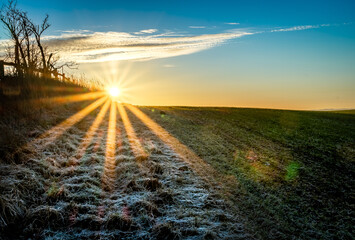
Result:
pixel 2 71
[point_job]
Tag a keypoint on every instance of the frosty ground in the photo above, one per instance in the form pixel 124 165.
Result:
pixel 86 182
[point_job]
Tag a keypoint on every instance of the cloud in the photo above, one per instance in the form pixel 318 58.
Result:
pixel 113 46
pixel 169 65
pixel 74 31
pixel 197 27
pixel 147 31
pixel 299 28
pixel 85 46
pixel 232 23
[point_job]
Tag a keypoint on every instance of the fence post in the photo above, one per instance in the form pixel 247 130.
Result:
pixel 2 71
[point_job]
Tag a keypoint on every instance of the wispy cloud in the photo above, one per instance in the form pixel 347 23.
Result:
pixel 197 27
pixel 168 65
pixel 88 46
pixel 299 28
pixel 232 23
pixel 74 31
pixel 147 31
pixel 111 46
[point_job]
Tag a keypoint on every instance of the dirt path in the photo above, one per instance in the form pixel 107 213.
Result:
pixel 110 176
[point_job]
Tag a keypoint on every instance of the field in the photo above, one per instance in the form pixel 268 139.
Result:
pixel 175 172
pixel 294 170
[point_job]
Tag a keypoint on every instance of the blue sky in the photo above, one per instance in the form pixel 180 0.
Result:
pixel 246 11
pixel 277 54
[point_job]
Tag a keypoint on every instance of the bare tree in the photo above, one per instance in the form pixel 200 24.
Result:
pixel 10 18
pixel 29 53
pixel 37 31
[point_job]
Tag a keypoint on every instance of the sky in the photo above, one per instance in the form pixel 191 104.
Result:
pixel 242 53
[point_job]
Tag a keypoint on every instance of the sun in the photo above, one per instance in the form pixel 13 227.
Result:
pixel 114 92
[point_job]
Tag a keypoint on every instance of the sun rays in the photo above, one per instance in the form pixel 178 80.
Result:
pixel 120 76
pixel 52 134
pixel 92 130
pixel 75 97
pixel 202 168
pixel 110 161
pixel 117 115
pixel 134 142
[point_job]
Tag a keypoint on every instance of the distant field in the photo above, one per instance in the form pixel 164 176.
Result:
pixel 350 111
pixel 294 169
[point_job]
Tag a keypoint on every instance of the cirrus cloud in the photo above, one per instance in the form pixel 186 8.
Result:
pixel 232 23
pixel 197 27
pixel 113 46
pixel 147 31
pixel 299 28
pixel 84 46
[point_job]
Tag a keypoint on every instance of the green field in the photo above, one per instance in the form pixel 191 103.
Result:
pixel 294 170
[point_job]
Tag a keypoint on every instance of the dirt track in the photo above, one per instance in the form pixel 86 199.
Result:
pixel 110 176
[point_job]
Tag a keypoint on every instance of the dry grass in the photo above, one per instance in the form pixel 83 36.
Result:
pixel 55 193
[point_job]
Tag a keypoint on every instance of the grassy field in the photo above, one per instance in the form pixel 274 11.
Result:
pixel 71 187
pixel 293 170
pixel 288 174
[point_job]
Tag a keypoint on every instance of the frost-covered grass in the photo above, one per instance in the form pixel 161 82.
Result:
pixel 55 193
pixel 24 177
